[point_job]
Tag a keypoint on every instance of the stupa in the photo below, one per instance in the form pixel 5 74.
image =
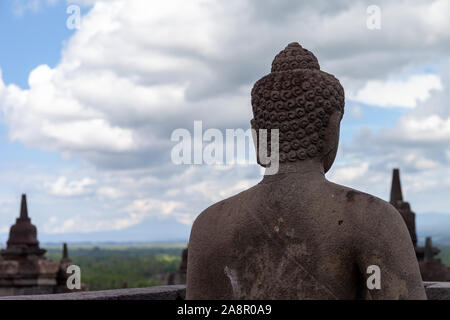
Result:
pixel 24 269
pixel 431 268
pixel 178 277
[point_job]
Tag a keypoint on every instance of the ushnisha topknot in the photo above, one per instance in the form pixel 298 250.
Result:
pixel 294 57
pixel 298 99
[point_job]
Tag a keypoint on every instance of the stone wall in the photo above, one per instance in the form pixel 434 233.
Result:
pixel 435 291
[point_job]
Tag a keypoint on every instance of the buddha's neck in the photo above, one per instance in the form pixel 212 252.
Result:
pixel 302 167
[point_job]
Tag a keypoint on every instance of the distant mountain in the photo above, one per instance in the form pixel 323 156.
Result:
pixel 148 231
pixel 435 225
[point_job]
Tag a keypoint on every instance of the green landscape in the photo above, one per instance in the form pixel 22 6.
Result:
pixel 445 253
pixel 117 266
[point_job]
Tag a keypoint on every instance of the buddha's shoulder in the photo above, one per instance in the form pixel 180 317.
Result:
pixel 220 211
pixel 364 208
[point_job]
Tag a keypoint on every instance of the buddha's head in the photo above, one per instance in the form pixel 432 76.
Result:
pixel 304 103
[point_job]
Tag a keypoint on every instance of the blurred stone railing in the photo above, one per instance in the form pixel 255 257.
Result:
pixel 435 291
pixel 150 293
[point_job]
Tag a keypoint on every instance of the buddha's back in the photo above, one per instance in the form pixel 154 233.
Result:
pixel 283 239
pixel 295 235
pixel 273 242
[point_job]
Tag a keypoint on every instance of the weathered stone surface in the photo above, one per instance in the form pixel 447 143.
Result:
pixel 296 235
pixel 437 290
pixel 151 293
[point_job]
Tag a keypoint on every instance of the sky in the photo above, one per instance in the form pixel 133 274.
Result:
pixel 86 114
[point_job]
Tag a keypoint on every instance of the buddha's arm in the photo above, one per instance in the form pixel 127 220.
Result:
pixel 205 280
pixel 386 244
pixel 197 264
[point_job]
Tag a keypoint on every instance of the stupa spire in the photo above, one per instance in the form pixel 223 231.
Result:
pixel 65 254
pixel 396 188
pixel 428 255
pixel 24 208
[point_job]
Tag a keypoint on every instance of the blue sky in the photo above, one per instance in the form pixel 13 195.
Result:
pixel 89 140
pixel 30 39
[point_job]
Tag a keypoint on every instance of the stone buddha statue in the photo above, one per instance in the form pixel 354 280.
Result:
pixel 295 235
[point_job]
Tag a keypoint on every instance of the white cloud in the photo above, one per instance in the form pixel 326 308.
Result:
pixel 64 188
pixel 427 129
pixel 398 93
pixel 138 69
pixel 93 134
pixel 214 191
pixel 146 205
pixel 161 209
pixel 110 192
pixel 420 162
pixel 349 174
pixel 92 223
pixel 22 6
